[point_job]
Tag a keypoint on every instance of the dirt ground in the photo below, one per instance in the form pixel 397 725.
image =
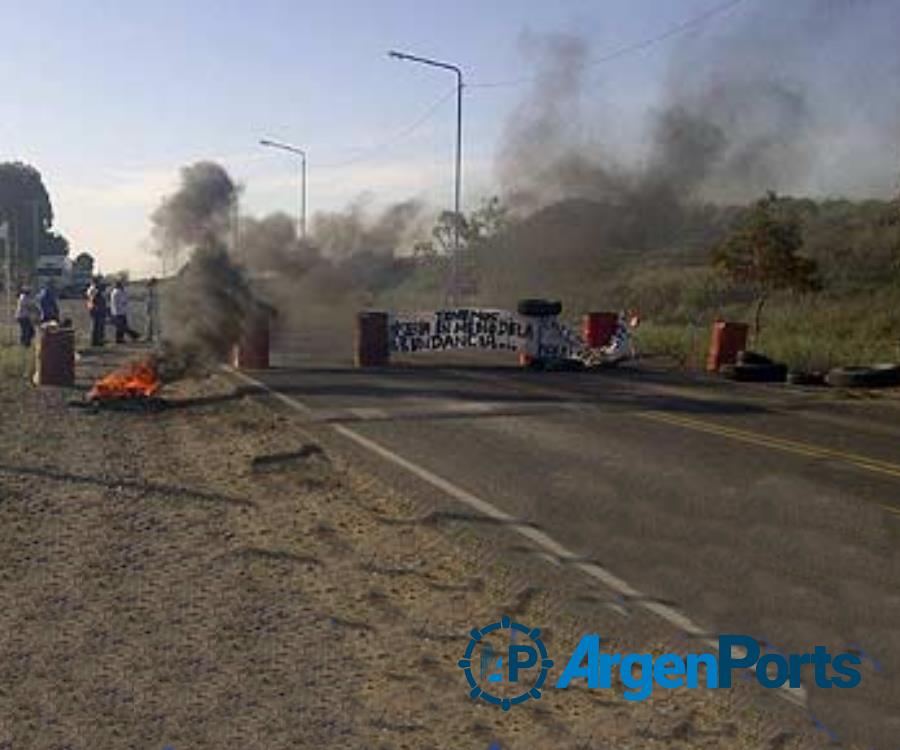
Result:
pixel 215 575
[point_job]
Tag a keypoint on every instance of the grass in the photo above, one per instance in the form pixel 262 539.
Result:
pixel 808 333
pixel 13 361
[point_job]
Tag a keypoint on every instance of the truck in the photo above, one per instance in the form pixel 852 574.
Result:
pixel 71 279
pixel 54 268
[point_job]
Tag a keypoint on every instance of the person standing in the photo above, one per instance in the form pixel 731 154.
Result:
pixel 118 307
pixel 98 309
pixel 48 303
pixel 24 306
pixel 152 310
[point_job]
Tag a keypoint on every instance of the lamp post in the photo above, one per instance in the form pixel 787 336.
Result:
pixel 454 262
pixel 301 220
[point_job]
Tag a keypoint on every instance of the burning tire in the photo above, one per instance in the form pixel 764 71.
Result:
pixel 877 376
pixel 539 308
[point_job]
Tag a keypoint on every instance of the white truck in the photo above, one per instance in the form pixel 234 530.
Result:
pixel 55 268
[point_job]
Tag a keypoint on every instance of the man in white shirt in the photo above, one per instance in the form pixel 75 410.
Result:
pixel 24 308
pixel 118 308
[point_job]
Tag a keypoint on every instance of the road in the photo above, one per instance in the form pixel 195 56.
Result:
pixel 749 509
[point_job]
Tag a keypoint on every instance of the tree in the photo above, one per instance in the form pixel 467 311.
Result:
pixel 761 252
pixel 489 219
pixel 54 244
pixel 24 201
pixel 84 262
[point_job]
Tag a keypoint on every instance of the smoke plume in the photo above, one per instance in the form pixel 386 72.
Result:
pixel 210 300
pixel 200 210
pixel 777 97
pixel 785 97
pixel 341 234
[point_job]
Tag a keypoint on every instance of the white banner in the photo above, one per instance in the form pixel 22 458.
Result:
pixel 462 328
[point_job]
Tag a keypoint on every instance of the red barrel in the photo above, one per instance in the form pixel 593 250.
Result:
pixel 372 344
pixel 727 340
pixel 252 351
pixel 597 328
pixel 55 355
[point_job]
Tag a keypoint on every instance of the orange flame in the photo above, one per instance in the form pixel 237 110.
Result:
pixel 134 380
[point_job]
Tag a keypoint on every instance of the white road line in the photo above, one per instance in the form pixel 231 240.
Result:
pixel 538 537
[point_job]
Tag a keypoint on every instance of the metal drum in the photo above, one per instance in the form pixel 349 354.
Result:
pixel 372 345
pixel 727 340
pixel 55 356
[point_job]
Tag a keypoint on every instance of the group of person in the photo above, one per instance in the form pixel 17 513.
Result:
pixel 46 303
pixel 113 306
pixel 104 306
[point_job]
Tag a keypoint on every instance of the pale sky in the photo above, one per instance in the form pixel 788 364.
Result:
pixel 108 99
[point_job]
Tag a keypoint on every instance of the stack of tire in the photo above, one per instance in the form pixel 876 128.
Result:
pixel 543 308
pixel 755 368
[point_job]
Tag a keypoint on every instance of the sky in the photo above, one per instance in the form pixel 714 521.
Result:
pixel 109 99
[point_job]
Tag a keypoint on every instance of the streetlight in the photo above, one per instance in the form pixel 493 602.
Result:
pixel 301 223
pixel 454 264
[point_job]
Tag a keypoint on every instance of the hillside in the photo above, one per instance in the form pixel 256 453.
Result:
pixel 651 253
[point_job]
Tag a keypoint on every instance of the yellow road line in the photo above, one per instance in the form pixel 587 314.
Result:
pixel 768 441
pixel 755 438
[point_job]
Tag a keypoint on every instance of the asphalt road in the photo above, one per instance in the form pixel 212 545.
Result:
pixel 750 509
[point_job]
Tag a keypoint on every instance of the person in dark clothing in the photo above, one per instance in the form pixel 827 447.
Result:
pixel 48 304
pixel 97 307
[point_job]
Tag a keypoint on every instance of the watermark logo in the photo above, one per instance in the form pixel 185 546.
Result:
pixel 505 663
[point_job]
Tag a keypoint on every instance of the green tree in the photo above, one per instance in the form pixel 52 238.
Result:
pixel 54 244
pixel 25 203
pixel 761 253
pixel 488 220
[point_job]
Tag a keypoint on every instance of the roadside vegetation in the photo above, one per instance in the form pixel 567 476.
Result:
pixel 824 291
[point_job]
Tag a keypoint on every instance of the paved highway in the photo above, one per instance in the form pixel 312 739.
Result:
pixel 749 509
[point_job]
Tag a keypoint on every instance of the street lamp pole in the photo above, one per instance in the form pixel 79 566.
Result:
pixel 457 193
pixel 301 219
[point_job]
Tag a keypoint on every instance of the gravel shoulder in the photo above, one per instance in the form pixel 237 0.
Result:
pixel 210 575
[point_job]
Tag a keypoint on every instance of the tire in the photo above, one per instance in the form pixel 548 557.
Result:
pixel 564 365
pixel 752 358
pixel 770 373
pixel 877 376
pixel 806 378
pixel 539 308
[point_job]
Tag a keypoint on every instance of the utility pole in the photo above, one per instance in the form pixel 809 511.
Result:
pixel 457 192
pixel 7 280
pixel 301 216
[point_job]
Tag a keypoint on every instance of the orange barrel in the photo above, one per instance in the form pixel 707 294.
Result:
pixel 55 355
pixel 727 340
pixel 252 351
pixel 597 328
pixel 372 345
